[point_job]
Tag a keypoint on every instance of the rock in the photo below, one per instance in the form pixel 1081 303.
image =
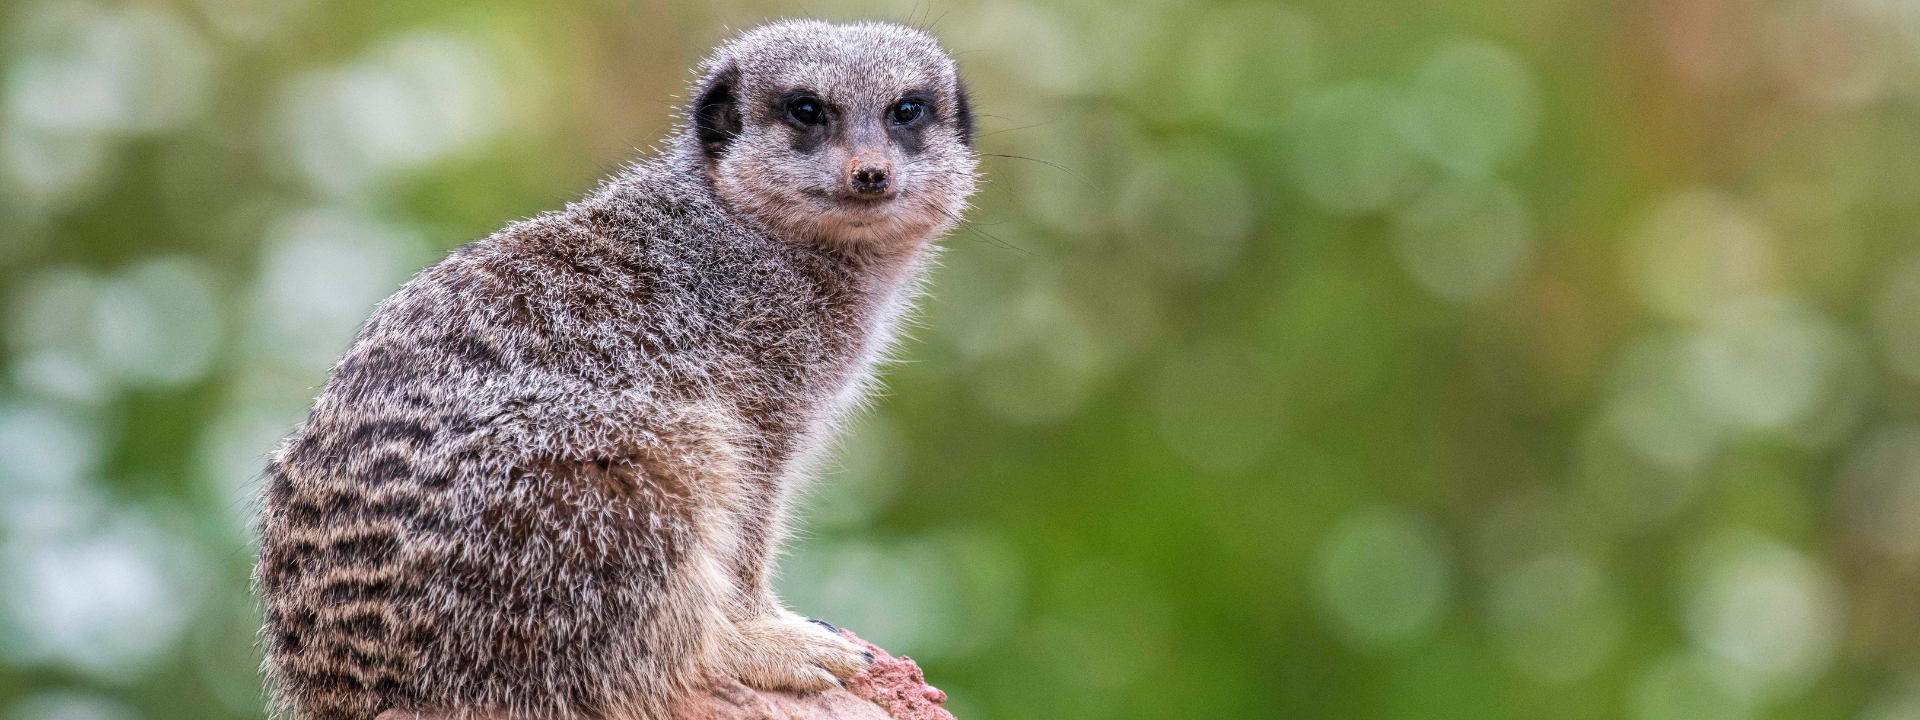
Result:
pixel 890 689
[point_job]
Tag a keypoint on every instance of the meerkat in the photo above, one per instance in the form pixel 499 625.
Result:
pixel 548 479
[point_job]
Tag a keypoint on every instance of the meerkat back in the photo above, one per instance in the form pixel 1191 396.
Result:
pixel 547 478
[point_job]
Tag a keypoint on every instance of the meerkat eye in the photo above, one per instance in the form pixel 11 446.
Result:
pixel 907 111
pixel 807 111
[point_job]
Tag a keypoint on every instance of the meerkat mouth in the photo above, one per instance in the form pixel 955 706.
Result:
pixel 850 195
pixel 852 200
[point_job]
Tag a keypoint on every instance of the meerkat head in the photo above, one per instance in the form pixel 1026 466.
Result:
pixel 853 135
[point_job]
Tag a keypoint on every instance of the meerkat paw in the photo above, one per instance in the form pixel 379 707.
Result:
pixel 788 652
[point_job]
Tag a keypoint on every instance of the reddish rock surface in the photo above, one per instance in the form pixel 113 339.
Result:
pixel 896 683
pixel 893 688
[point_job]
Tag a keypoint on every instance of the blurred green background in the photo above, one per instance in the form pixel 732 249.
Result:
pixel 1471 359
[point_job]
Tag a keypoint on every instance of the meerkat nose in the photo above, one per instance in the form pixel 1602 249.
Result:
pixel 871 179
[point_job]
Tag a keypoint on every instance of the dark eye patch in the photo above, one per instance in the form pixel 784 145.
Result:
pixel 802 109
pixel 811 117
pixel 908 117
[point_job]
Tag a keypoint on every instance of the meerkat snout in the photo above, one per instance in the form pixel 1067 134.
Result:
pixel 850 135
pixel 869 179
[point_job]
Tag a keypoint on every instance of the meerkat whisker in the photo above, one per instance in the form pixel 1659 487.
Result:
pixel 1076 176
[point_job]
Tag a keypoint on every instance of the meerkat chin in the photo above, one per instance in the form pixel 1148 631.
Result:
pixel 548 478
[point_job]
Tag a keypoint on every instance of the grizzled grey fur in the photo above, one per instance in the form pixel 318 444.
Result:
pixel 548 479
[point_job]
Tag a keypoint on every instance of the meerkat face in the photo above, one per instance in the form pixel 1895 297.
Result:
pixel 854 135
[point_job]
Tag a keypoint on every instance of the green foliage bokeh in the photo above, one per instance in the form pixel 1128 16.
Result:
pixel 1328 359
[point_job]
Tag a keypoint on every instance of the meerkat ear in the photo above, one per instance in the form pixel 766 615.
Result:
pixel 716 114
pixel 963 112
